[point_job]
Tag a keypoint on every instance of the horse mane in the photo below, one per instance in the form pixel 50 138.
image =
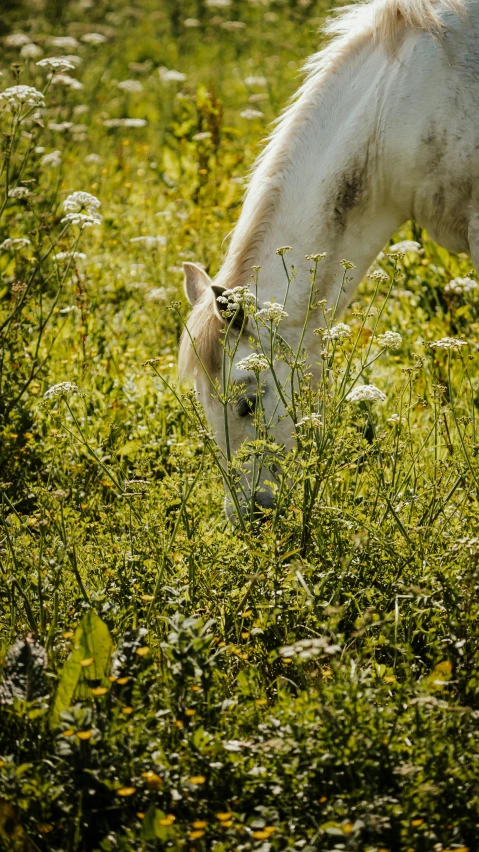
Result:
pixel 385 22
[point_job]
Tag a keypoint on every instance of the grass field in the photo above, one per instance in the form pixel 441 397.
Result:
pixel 170 682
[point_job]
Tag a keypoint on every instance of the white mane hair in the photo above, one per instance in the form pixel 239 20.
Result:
pixel 384 23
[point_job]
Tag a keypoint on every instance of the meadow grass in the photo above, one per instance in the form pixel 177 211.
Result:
pixel 308 682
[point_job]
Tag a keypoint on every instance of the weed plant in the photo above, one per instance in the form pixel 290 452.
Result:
pixel 304 681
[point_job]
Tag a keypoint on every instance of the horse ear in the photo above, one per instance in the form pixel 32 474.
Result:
pixel 197 281
pixel 239 320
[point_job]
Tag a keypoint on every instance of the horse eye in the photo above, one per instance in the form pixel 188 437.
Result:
pixel 246 405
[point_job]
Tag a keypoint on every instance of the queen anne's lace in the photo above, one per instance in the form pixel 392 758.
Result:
pixel 390 340
pixel 63 390
pixel 461 286
pixel 16 243
pixel 237 297
pixel 406 246
pixel 312 420
pixel 366 393
pixel 254 363
pixel 272 312
pixel 18 96
pixel 56 63
pixel 338 332
pixel 448 343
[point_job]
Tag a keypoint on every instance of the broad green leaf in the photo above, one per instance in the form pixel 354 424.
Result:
pixel 152 827
pixel 92 641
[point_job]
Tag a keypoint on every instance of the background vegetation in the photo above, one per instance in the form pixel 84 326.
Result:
pixel 308 683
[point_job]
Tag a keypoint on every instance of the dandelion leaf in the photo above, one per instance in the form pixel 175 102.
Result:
pixel 87 665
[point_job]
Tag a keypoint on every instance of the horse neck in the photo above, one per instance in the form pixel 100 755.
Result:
pixel 320 187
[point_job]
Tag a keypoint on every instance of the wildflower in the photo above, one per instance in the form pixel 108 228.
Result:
pixel 378 275
pixel 66 80
pixel 130 86
pixel 59 126
pixel 253 363
pixel 150 242
pixel 346 264
pixel 62 390
pixel 315 257
pixel 93 38
pixel 231 26
pixel 250 114
pixel 237 297
pixel 448 343
pixel 198 137
pixel 18 243
pixel 31 51
pixel 390 340
pixel 69 255
pixel 126 791
pixel 19 192
pixel 157 294
pixel 51 160
pixel 256 81
pixel 56 63
pixel 395 418
pixel 134 122
pixel 93 159
pixel 169 75
pixel 17 40
pixel 81 202
pixel 282 250
pixel 338 332
pixel 305 649
pixel 197 779
pixel 312 420
pixel 74 59
pixel 65 42
pixel 191 22
pixel 406 246
pixel 83 220
pixel 461 286
pixel 366 393
pixel 18 96
pixel 272 312
pixel 218 4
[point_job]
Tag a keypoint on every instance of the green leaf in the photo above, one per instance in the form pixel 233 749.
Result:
pixel 152 829
pixel 92 640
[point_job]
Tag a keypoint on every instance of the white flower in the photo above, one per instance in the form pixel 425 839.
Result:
pixel 198 137
pixel 237 297
pixel 93 38
pixel 338 332
pixel 191 22
pixel 312 420
pixel 405 246
pixel 52 160
pixel 17 40
pixel 395 418
pixel 253 363
pixel 17 96
pixel 390 340
pixel 460 286
pixel 74 59
pixel 307 648
pixel 56 63
pixel 150 242
pixel 81 202
pixel 134 122
pixel 272 312
pixel 65 42
pixel 366 393
pixel 448 343
pixel 231 26
pixel 93 159
pixel 31 51
pixel 18 243
pixel 256 81
pixel 69 255
pixel 218 4
pixel 66 80
pixel 130 86
pixel 250 114
pixel 158 294
pixel 169 75
pixel 59 127
pixel 83 220
pixel 19 192
pixel 63 390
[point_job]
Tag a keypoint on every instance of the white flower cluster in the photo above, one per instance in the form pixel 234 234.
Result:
pixel 218 4
pixel 65 80
pixel 18 96
pixel 65 42
pixel 461 286
pixel 305 649
pixel 255 81
pixel 366 393
pixel 250 114
pixel 19 192
pixel 52 160
pixel 338 332
pixel 406 246
pixel 93 38
pixel 17 40
pixel 16 243
pixel 82 209
pixel 150 243
pixel 62 390
pixel 448 343
pixel 56 63
pixel 130 86
pixel 253 363
pixel 125 122
pixel 390 340
pixel 272 312
pixel 69 255
pixel 310 420
pixel 169 75
pixel 237 297
pixel 31 51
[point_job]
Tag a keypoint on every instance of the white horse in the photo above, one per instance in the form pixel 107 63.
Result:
pixel 384 129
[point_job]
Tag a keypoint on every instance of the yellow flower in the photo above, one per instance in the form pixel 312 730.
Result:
pixel 126 791
pixel 197 779
pixel 169 819
pixel 143 651
pixel 127 710
pixel 84 735
pixel 152 779
pixel 99 690
pixel 190 712
pixel 147 598
pixel 261 835
pixel 68 733
pixel 194 835
pixel 223 816
pixel 122 680
pixel 200 823
pixel 86 662
pixel 417 822
pixel 68 634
